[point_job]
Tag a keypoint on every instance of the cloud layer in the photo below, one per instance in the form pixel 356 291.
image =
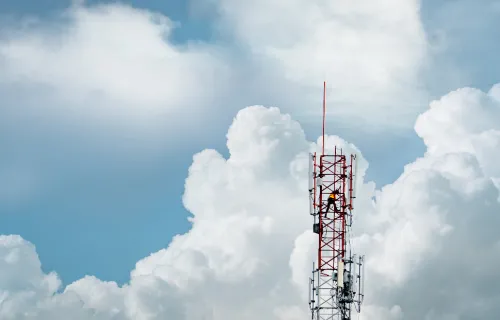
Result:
pixel 116 62
pixel 111 65
pixel 114 50
pixel 370 54
pixel 430 237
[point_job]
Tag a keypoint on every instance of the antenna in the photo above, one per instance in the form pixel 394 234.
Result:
pixel 324 117
pixel 336 285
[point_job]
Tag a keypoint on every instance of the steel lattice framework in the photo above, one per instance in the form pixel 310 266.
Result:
pixel 336 285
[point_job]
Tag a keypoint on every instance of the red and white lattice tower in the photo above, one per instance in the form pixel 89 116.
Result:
pixel 336 285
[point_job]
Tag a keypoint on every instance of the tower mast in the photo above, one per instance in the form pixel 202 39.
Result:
pixel 336 285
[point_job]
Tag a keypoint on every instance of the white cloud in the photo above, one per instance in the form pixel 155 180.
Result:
pixel 430 237
pixel 113 50
pixel 108 63
pixel 22 282
pixel 465 120
pixel 439 219
pixel 370 53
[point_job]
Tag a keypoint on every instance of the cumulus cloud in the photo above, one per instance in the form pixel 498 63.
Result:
pixel 430 237
pixel 444 206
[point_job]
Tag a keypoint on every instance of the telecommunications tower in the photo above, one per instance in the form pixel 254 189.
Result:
pixel 336 285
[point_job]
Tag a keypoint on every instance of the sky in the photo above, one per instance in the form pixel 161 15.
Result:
pixel 74 222
pixel 138 163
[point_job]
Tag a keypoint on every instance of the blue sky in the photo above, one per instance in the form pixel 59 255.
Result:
pixel 100 214
pixel 106 220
